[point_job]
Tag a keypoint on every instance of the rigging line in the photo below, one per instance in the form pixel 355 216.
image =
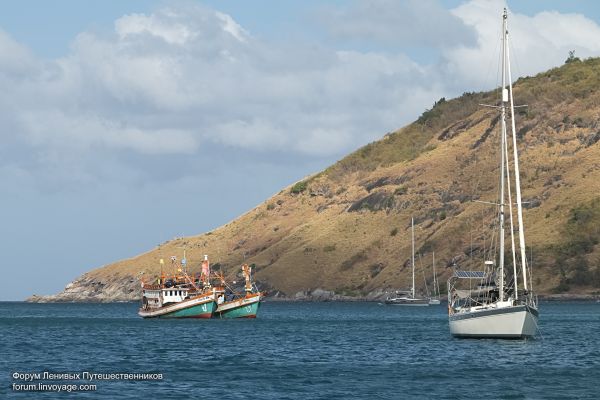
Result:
pixel 498 65
pixel 493 243
pixel 475 187
pixel 424 278
pixel 510 208
pixel 530 267
pixel 517 178
pixel 519 70
pixel 483 236
pixel 491 60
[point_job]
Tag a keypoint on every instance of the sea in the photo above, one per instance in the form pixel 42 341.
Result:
pixel 292 350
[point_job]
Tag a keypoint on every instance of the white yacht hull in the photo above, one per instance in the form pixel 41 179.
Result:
pixel 514 322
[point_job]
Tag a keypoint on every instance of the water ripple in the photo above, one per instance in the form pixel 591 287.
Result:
pixel 302 350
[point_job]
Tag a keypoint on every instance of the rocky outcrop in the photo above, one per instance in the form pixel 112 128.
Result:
pixel 88 289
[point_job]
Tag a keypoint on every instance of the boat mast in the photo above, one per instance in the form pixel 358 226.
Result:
pixel 510 204
pixel 412 222
pixel 435 281
pixel 502 146
pixel 517 174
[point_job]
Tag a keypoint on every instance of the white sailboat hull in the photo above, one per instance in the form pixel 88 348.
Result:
pixel 515 322
pixel 407 301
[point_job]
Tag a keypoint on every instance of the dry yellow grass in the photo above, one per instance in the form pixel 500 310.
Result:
pixel 310 240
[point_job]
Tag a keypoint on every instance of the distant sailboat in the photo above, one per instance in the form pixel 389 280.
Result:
pixel 408 298
pixel 435 299
pixel 491 308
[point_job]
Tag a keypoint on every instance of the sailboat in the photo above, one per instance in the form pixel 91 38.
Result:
pixel 489 307
pixel 435 299
pixel 408 298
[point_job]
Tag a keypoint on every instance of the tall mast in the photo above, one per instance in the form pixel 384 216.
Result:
pixel 502 146
pixel 412 222
pixel 512 229
pixel 517 174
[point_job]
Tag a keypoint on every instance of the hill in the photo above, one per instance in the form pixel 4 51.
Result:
pixel 346 230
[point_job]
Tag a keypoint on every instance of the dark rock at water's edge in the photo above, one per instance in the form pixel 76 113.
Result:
pixel 88 290
pixel 570 297
pixel 85 290
pixel 320 295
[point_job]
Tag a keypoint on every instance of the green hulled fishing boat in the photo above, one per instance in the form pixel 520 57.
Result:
pixel 239 306
pixel 200 306
pixel 180 296
pixel 245 307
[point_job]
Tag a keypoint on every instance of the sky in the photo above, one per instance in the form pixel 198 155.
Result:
pixel 125 124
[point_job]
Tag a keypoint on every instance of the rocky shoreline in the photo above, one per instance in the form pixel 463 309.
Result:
pixel 86 289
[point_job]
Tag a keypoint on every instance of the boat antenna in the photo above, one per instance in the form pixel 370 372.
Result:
pixel 162 275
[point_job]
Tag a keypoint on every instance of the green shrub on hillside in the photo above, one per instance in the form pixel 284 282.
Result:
pixel 400 190
pixel 572 57
pixel 299 187
pixel 582 231
pixel 580 234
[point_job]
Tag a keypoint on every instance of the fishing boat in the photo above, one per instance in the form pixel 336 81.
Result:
pixel 485 304
pixel 169 303
pixel 179 296
pixel 230 305
pixel 408 298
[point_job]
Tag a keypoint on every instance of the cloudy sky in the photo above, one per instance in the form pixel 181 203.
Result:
pixel 124 124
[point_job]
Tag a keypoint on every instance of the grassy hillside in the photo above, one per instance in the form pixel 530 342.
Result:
pixel 347 229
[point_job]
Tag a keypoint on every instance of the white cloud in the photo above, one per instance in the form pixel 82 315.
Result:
pixel 232 27
pixel 138 24
pixel 82 133
pixel 182 80
pixel 172 80
pixel 15 59
pixel 537 42
pixel 404 23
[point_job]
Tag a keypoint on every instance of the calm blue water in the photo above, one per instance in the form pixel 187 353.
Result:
pixel 301 351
